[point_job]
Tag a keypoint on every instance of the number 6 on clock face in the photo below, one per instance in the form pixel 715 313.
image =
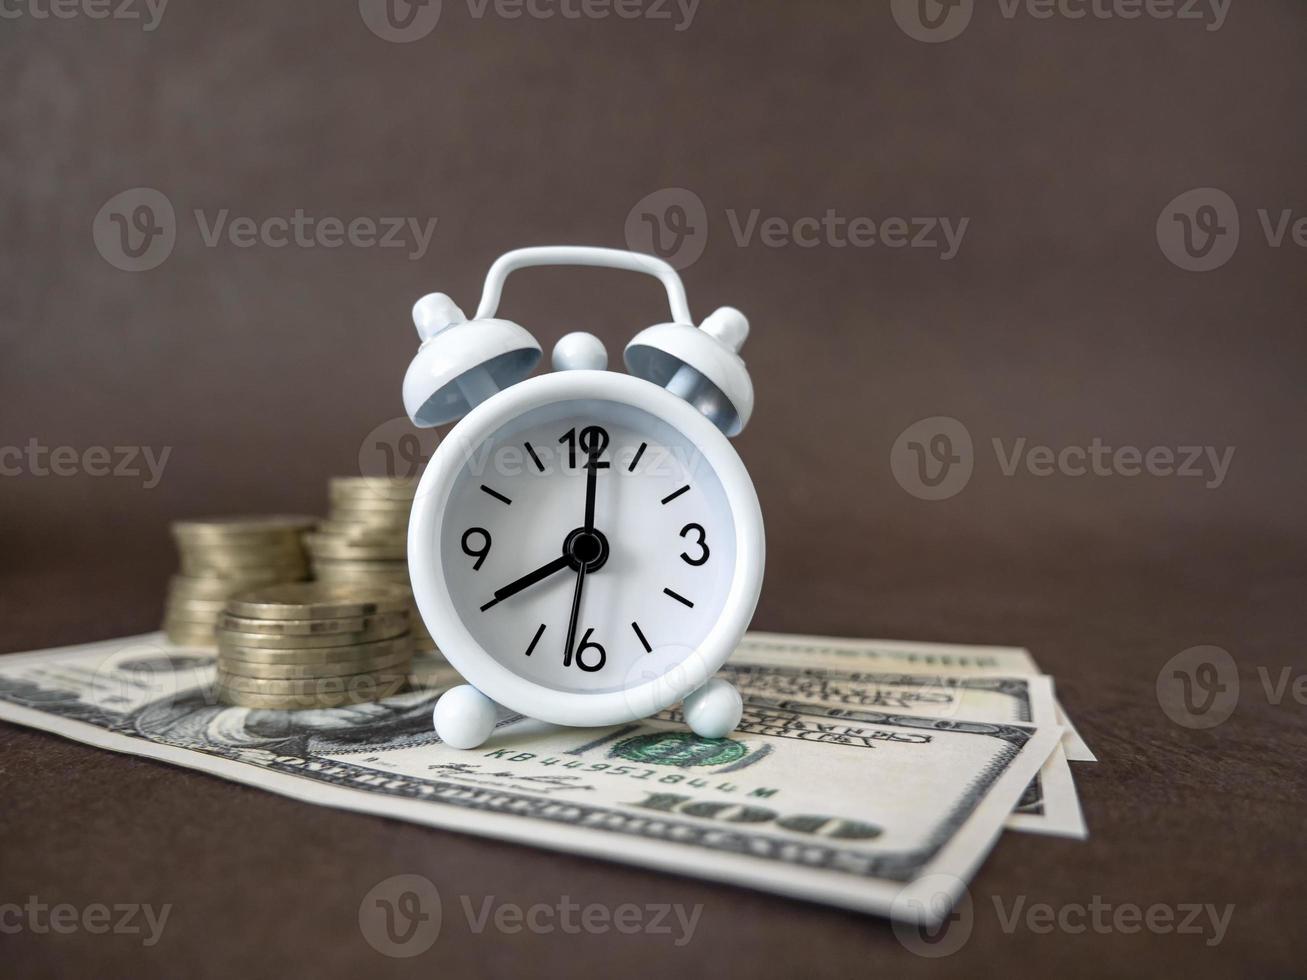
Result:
pixel 580 536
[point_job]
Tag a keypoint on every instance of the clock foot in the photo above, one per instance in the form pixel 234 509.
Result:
pixel 464 717
pixel 714 710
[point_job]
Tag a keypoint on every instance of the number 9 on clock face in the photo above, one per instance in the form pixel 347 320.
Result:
pixel 582 536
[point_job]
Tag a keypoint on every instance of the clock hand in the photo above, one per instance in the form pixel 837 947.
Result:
pixel 593 440
pixel 576 609
pixel 592 471
pixel 527 580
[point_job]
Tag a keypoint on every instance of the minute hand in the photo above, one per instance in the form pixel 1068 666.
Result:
pixel 527 580
pixel 592 471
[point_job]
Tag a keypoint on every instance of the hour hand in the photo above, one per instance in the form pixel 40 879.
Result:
pixel 528 580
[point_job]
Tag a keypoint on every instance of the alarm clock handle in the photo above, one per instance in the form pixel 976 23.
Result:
pixel 583 255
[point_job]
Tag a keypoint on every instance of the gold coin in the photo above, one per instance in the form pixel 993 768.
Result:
pixel 392 629
pixel 172 618
pixel 372 488
pixel 313 656
pixel 240 556
pixel 328 574
pixel 245 699
pixel 332 577
pixel 203 587
pixel 189 638
pixel 245 577
pixel 332 547
pixel 319 600
pixel 365 532
pixel 394 663
pixel 365 684
pixel 377 517
pixel 196 609
pixel 223 528
pixel 208 585
pixel 266 574
pixel 313 627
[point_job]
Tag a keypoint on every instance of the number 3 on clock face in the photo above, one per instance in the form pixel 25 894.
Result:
pixel 583 536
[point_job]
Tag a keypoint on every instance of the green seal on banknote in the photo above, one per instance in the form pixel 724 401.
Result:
pixel 680 749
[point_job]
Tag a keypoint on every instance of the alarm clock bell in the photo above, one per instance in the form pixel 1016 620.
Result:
pixel 463 362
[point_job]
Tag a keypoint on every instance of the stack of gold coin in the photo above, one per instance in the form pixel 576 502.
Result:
pixel 223 556
pixel 365 538
pixel 313 645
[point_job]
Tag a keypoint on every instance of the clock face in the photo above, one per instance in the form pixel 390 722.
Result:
pixel 584 539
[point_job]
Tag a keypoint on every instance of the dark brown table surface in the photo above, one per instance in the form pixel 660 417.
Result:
pixel 1059 321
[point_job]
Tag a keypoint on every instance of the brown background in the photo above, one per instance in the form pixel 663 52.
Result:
pixel 1060 320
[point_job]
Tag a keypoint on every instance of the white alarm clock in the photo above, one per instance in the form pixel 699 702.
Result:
pixel 585 547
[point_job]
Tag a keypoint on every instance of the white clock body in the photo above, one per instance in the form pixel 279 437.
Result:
pixel 675 517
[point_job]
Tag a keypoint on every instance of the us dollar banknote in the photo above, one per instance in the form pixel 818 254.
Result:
pixel 1049 805
pixel 945 658
pixel 860 806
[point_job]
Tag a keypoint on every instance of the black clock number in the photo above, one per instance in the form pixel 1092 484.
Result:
pixel 597 660
pixel 479 553
pixel 569 437
pixel 593 441
pixel 701 542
